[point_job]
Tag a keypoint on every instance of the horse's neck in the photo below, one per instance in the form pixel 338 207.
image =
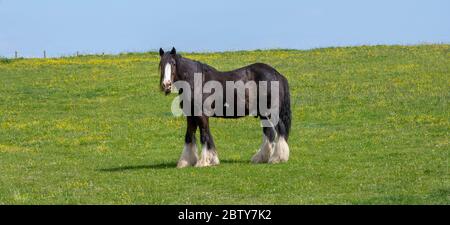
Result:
pixel 191 66
pixel 188 65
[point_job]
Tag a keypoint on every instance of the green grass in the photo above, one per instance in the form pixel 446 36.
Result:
pixel 370 126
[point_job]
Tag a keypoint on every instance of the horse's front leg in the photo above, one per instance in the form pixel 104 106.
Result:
pixel 189 156
pixel 209 155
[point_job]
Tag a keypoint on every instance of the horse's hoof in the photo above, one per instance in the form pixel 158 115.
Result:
pixel 182 164
pixel 204 163
pixel 259 157
pixel 277 159
pixel 199 164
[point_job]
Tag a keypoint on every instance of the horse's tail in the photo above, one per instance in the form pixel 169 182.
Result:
pixel 285 111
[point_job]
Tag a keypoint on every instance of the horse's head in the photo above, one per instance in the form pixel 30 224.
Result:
pixel 168 68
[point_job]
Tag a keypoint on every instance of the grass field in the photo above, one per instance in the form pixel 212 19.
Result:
pixel 370 126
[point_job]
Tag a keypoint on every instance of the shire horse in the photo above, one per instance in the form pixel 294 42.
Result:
pixel 274 148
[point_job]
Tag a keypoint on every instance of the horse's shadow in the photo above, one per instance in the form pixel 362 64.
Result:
pixel 165 165
pixel 139 167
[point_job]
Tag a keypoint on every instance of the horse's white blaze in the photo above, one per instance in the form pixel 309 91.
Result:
pixel 263 155
pixel 208 158
pixel 167 74
pixel 281 152
pixel 189 156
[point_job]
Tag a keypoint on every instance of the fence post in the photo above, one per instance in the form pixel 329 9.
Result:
pixel 45 54
pixel 77 54
pixel 15 54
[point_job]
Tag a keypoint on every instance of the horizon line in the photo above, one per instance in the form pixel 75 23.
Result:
pixel 153 50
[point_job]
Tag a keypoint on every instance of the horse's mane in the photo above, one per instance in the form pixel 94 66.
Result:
pixel 206 67
pixel 203 66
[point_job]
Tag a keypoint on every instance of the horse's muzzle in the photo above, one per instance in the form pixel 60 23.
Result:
pixel 167 87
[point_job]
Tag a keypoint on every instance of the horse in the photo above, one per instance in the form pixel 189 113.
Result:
pixel 274 148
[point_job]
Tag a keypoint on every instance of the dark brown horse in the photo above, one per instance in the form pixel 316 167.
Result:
pixel 251 95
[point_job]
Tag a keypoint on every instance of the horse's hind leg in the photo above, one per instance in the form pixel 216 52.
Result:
pixel 189 156
pixel 266 149
pixel 209 155
pixel 281 151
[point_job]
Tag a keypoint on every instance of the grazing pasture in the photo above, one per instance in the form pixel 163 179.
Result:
pixel 370 125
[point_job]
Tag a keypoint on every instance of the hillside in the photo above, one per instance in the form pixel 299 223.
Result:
pixel 370 126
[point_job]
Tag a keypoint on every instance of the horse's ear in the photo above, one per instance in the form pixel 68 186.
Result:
pixel 173 51
pixel 161 52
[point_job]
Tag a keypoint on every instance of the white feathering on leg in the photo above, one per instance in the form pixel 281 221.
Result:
pixel 281 152
pixel 262 156
pixel 208 158
pixel 189 156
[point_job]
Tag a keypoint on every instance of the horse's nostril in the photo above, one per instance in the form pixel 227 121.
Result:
pixel 167 86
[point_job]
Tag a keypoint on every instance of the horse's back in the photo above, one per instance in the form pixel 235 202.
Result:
pixel 265 72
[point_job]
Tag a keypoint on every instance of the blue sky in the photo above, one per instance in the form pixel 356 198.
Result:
pixel 94 26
